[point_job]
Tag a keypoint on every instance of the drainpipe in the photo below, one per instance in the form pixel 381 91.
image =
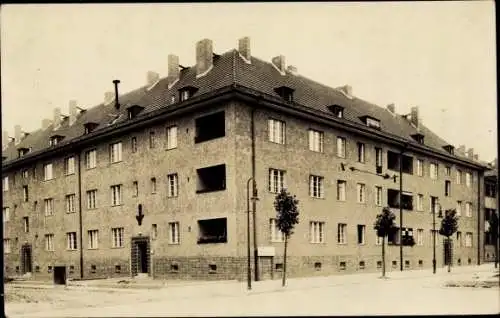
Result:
pixel 254 203
pixel 80 212
pixel 401 209
pixel 479 243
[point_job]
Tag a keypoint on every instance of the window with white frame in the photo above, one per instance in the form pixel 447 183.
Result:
pixel 171 137
pixel 447 171
pixel 69 166
pixel 115 152
pixel 117 235
pixel 25 193
pixel 154 231
pixel 378 196
pixel 116 194
pixel 49 206
pixel 152 139
pixel 276 234
pixel 378 158
pixel 26 222
pixel 342 233
pixel 6 214
pixel 91 199
pixel 447 188
pixel 433 170
pixel 91 159
pixel 468 239
pixel 93 236
pixel 420 237
pixel 420 167
pixel 47 172
pixel 5 183
pixel 468 209
pixel 172 185
pixel 135 188
pixel 153 185
pixel 25 174
pixel 276 180
pixel 459 208
pixel 341 143
pixel 361 193
pixel 173 233
pixel 459 176
pixel 317 232
pixel 276 131
pixel 316 140
pixel 420 202
pixel 49 242
pixel 133 144
pixel 459 239
pixel 361 234
pixel 6 246
pixel 361 152
pixel 70 203
pixel 71 241
pixel 341 190
pixel 316 186
pixel 468 179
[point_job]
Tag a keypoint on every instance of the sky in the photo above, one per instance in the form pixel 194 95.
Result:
pixel 439 56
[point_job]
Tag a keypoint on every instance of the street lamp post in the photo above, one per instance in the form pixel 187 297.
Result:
pixel 434 235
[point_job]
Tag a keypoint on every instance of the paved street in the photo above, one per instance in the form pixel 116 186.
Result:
pixel 412 292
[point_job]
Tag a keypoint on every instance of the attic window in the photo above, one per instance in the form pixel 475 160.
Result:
pixel 337 110
pixel 187 92
pixel 285 92
pixel 371 121
pixel 418 138
pixel 134 110
pixel 449 149
pixel 89 127
pixel 54 140
pixel 23 151
pixel 115 119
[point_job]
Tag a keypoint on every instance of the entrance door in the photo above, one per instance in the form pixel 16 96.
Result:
pixel 60 275
pixel 448 251
pixel 26 261
pixel 140 251
pixel 266 267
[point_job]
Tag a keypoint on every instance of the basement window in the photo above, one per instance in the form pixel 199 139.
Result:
pixel 317 266
pixel 407 264
pixel 212 268
pixel 337 110
pixel 93 269
pixel 210 127
pixel 393 162
pixel 379 264
pixel 394 264
pixel 418 138
pixel 133 111
pixel 420 263
pixel 211 179
pixel 362 265
pixel 212 231
pixel 393 199
pixel 118 269
pixel 174 268
pixel 49 269
pixel 285 92
pixel 342 266
pixel 278 267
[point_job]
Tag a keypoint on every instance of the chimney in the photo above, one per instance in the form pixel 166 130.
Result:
pixel 414 116
pixel 45 123
pixel 292 69
pixel 391 108
pixel 108 97
pixel 152 78
pixel 57 117
pixel 476 157
pixel 279 63
pixel 347 89
pixel 173 69
pixel 117 102
pixel 244 48
pixel 470 153
pixel 17 133
pixel 461 150
pixel 204 57
pixel 72 112
pixel 5 139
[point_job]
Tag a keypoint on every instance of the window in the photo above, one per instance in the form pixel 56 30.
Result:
pixel 71 240
pixel 91 159
pixel 91 199
pixel 393 199
pixel 6 214
pixel 361 152
pixel 5 184
pixel 49 242
pixel 459 176
pixel 211 179
pixel 447 188
pixel 393 163
pixel 154 231
pixel 361 191
pixel 171 137
pixel 434 204
pixel 317 232
pixel 93 239
pixel 172 185
pixel 393 237
pixel 116 195
pixel 276 180
pixel 173 233
pixel 276 131
pixel 459 208
pixel 276 234
pixel 117 234
pixel 49 206
pixel 433 171
pixel 70 203
pixel 468 239
pixel 338 111
pixel 468 179
pixel 210 127
pixel 342 233
pixel 69 166
pixel 378 196
pixel 420 202
pixel 115 152
pixel 6 246
pixel 341 143
pixel 25 174
pixel 47 172
pixel 361 234
pixel 25 194
pixel 420 167
pixel 341 190
pixel 152 139
pixel 285 92
pixel 372 122
pixel 447 171
pixel 316 186
pixel 26 223
pixel 133 144
pixel 490 189
pixel 153 185
pixel 316 140
pixel 420 237
pixel 135 188
pixel 468 209
pixel 459 239
pixel 378 159
pixel 212 231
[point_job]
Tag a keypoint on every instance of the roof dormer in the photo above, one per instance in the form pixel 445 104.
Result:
pixel 285 92
pixel 187 92
pixel 449 149
pixel 134 110
pixel 337 110
pixel 89 127
pixel 55 139
pixel 22 151
pixel 370 121
pixel 418 138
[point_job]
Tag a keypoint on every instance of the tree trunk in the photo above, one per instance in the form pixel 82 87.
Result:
pixel 284 263
pixel 496 251
pixel 450 256
pixel 383 256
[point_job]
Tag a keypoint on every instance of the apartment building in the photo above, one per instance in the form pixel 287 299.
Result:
pixel 490 207
pixel 154 181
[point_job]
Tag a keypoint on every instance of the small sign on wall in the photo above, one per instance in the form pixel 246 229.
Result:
pixel 266 251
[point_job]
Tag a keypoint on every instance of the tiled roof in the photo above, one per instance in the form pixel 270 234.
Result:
pixel 228 69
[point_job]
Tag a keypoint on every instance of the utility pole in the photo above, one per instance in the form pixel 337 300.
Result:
pixel 255 250
pixel 249 271
pixel 401 210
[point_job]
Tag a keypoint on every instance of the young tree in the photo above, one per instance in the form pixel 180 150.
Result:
pixel 287 216
pixel 449 225
pixel 493 230
pixel 385 225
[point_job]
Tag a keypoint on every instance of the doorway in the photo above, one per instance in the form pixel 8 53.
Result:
pixel 60 275
pixel 26 259
pixel 266 267
pixel 140 255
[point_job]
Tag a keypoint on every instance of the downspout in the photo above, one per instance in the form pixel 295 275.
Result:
pixel 401 209
pixel 479 243
pixel 80 212
pixel 254 203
